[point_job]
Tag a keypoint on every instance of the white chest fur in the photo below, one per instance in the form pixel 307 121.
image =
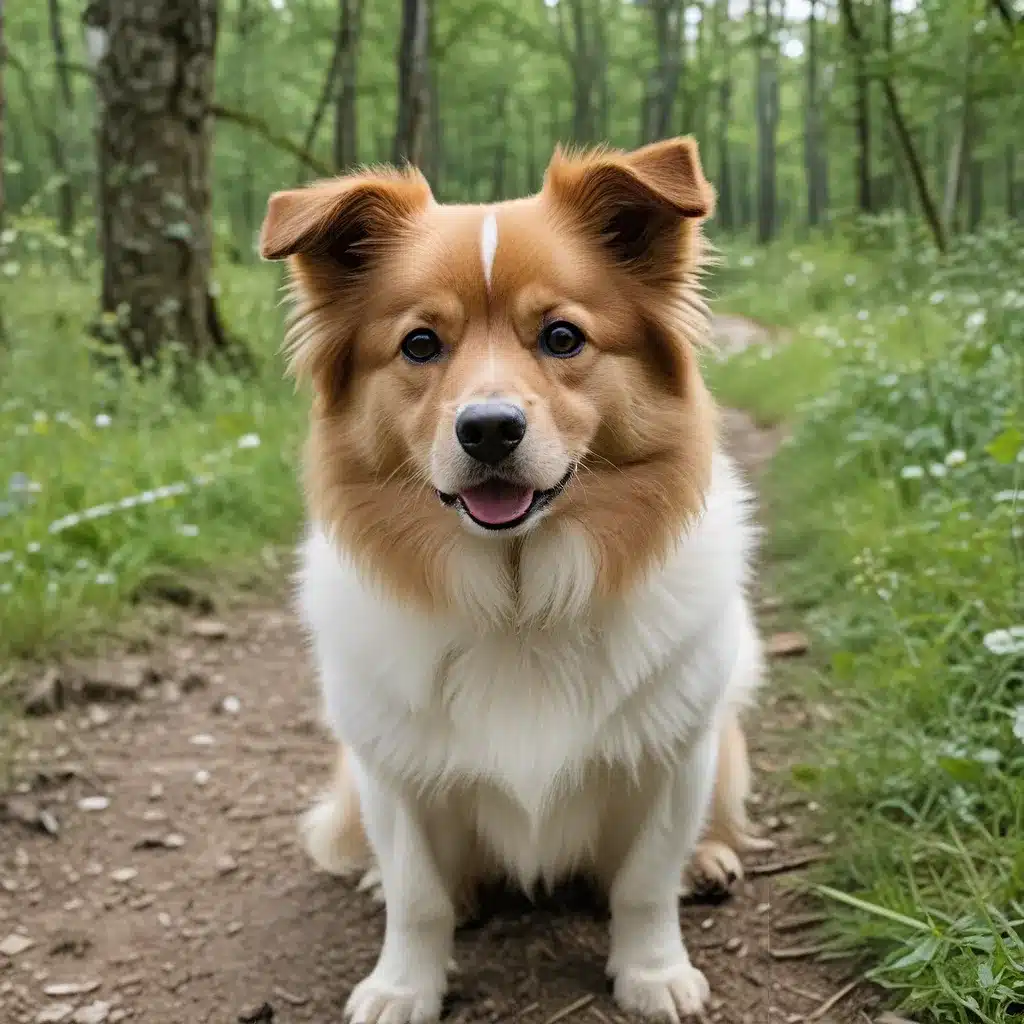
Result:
pixel 525 716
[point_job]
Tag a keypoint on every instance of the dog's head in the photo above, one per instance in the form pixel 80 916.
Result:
pixel 503 369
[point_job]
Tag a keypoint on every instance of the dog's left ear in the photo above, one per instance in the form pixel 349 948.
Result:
pixel 638 204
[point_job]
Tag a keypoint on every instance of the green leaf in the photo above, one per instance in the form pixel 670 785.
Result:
pixel 963 769
pixel 923 953
pixel 1007 446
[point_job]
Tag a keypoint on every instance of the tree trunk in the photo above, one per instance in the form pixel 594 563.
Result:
pixel 433 144
pixel 725 188
pixel 3 117
pixel 327 91
pixel 246 19
pixel 346 133
pixel 910 153
pixel 767 124
pixel 667 17
pixel 413 54
pixel 958 154
pixel 812 142
pixel 65 121
pixel 862 105
pixel 154 89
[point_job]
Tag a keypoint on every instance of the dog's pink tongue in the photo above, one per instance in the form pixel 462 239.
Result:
pixel 497 502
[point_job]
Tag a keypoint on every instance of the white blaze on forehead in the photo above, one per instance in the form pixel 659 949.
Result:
pixel 488 245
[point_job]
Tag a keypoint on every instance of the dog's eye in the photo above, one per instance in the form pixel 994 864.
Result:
pixel 421 345
pixel 561 339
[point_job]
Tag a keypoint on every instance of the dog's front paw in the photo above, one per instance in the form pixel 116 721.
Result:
pixel 663 993
pixel 379 1000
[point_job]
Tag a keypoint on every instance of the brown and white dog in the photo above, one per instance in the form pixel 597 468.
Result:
pixel 525 572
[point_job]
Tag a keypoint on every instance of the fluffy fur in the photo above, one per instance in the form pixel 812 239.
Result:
pixel 561 696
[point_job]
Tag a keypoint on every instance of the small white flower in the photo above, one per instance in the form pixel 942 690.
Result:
pixel 902 310
pixel 936 298
pixel 1018 722
pixel 32 547
pixel 976 319
pixel 862 314
pixel 51 587
pixel 747 261
pixel 911 472
pixel 957 457
pixel 105 579
pixel 6 556
pixel 937 469
pixel 249 441
pixel 1007 495
pixel 102 420
pixel 1005 641
pixel 188 530
pixel 82 564
pixel 6 588
pixel 850 280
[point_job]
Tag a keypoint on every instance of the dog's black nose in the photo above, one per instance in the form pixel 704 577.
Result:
pixel 490 430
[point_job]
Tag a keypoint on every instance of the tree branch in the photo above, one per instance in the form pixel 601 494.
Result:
pixel 903 133
pixel 260 128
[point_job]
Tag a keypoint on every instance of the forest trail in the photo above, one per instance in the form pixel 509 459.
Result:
pixel 175 890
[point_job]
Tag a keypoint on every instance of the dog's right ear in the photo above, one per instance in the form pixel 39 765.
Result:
pixel 342 220
pixel 331 232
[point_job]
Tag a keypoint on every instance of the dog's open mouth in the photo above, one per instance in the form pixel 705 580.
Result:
pixel 501 504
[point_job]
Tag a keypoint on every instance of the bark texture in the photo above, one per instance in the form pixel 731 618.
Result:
pixel 154 82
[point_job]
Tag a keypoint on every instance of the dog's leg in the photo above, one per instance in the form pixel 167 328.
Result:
pixel 651 969
pixel 716 863
pixel 408 982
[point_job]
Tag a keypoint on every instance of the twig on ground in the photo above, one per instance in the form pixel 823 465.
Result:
pixel 797 952
pixel 834 1000
pixel 813 997
pixel 780 867
pixel 799 922
pixel 568 1011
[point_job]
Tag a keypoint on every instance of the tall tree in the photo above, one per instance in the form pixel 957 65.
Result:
pixel 910 154
pixel 862 106
pixel 65 121
pixel 584 46
pixel 668 25
pixel 813 144
pixel 346 134
pixel 723 45
pixel 767 124
pixel 154 82
pixel 413 82
pixel 3 114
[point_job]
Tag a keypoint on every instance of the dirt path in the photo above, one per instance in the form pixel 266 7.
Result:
pixel 175 891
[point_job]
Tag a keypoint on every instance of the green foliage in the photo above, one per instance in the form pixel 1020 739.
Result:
pixel 108 481
pixel 896 508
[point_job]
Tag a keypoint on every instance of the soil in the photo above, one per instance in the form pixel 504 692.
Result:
pixel 181 894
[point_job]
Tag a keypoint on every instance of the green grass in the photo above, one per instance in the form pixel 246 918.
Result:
pixel 897 524
pixel 75 438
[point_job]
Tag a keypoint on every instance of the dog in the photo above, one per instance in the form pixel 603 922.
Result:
pixel 525 573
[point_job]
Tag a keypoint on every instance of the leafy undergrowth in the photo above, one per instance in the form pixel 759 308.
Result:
pixel 111 488
pixel 896 511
